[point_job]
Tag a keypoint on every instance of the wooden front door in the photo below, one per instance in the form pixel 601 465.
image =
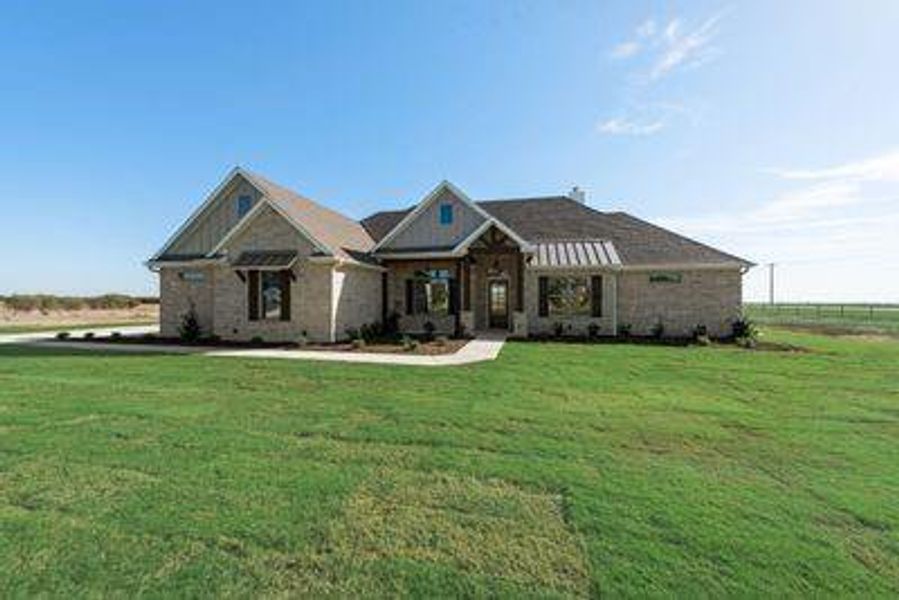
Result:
pixel 498 304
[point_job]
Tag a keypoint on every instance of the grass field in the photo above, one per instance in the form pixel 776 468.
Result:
pixel 875 318
pixel 558 470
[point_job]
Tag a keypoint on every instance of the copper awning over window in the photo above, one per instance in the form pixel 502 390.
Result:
pixel 265 259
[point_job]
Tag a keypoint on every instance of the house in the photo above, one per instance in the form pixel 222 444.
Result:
pixel 259 260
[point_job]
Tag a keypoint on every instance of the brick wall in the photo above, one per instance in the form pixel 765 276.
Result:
pixel 357 298
pixel 178 291
pixel 707 297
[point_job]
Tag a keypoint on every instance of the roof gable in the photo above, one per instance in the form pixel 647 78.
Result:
pixel 418 227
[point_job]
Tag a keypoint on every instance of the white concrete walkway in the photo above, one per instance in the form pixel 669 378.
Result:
pixel 484 347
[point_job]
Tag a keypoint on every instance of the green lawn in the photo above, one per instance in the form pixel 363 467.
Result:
pixel 557 470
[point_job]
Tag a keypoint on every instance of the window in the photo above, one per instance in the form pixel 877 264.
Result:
pixel 244 203
pixel 271 295
pixel 446 214
pixel 567 296
pixel 664 278
pixel 430 292
pixel 268 295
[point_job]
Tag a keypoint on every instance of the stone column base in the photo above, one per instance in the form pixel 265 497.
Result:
pixel 466 322
pixel 519 324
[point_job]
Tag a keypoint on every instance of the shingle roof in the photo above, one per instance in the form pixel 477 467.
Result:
pixel 379 224
pixel 346 237
pixel 559 218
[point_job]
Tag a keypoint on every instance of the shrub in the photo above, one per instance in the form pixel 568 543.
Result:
pixel 658 330
pixel 189 329
pixel 116 335
pixel 429 331
pixel 89 335
pixel 63 335
pixel 303 339
pixel 256 339
pixel 593 330
pixel 744 332
pixel 371 332
pixel 392 324
pixel 409 343
pixel 624 329
pixel 359 343
pixel 352 333
pixel 558 329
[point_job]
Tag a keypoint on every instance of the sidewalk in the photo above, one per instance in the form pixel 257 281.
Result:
pixel 484 347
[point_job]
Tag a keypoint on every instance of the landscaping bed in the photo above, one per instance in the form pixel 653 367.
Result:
pixel 431 347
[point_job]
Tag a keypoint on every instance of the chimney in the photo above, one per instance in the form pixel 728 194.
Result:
pixel 578 195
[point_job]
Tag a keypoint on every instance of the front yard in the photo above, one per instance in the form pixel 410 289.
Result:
pixel 559 469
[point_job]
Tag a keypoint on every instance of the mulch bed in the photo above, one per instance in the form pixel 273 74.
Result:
pixel 430 348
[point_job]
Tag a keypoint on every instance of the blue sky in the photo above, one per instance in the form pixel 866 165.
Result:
pixel 770 129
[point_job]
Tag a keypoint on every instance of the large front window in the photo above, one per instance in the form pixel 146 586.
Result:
pixel 271 295
pixel 568 296
pixel 430 293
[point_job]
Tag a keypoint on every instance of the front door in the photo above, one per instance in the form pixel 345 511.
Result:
pixel 498 304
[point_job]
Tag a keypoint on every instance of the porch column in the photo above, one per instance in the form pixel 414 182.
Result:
pixel 519 283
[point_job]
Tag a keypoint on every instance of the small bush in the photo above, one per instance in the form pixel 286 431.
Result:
pixel 744 332
pixel 392 324
pixel 303 340
pixel 257 340
pixel 429 331
pixel 658 330
pixel 189 329
pixel 558 329
pixel 89 335
pixel 358 343
pixel 352 333
pixel 624 329
pixel 593 330
pixel 116 335
pixel 63 335
pixel 409 343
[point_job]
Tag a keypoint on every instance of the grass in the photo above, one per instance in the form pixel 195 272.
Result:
pixel 849 318
pixel 558 470
pixel 36 328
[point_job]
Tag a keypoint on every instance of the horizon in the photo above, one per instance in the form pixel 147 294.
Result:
pixel 766 131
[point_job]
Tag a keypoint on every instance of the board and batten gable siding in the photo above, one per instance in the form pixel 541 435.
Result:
pixel 219 217
pixel 269 230
pixel 427 232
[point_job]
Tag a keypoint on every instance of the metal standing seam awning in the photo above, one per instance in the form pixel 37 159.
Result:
pixel 576 254
pixel 265 259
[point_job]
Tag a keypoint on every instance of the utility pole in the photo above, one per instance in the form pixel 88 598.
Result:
pixel 771 284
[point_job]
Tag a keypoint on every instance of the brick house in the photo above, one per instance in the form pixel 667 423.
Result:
pixel 256 259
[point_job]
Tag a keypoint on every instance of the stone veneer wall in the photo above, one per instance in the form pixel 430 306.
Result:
pixel 576 325
pixel 177 294
pixel 310 307
pixel 357 298
pixel 703 297
pixel 396 295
